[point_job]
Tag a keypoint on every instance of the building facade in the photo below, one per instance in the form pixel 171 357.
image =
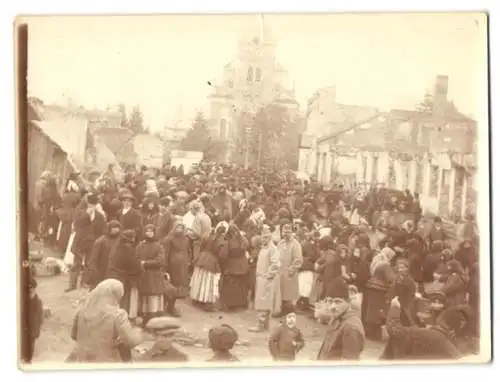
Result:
pixel 430 152
pixel 253 80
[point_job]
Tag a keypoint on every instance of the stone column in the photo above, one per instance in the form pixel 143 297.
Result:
pixel 317 164
pixel 359 168
pixel 439 190
pixel 463 205
pixel 398 170
pixel 412 179
pixel 324 167
pixel 332 166
pixel 427 178
pixel 369 167
pixel 451 194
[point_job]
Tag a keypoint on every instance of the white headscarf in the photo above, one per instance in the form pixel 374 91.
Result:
pixel 103 299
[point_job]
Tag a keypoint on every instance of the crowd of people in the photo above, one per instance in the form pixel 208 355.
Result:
pixel 227 239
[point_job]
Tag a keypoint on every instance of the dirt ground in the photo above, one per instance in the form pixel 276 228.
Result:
pixel 55 343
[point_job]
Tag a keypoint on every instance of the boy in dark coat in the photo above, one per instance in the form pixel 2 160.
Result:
pixel 345 337
pixel 286 340
pixel 101 251
pixel 35 307
pixel 89 226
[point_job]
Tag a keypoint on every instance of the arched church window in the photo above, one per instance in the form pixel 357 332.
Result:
pixel 223 129
pixel 250 74
pixel 258 75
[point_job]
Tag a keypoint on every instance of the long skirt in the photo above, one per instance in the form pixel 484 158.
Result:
pixel 316 290
pixel 234 291
pixel 374 308
pixel 133 302
pixel 204 286
pixel 306 282
pixel 152 304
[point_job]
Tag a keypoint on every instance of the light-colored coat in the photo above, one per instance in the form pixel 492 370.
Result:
pixel 267 284
pixel 291 261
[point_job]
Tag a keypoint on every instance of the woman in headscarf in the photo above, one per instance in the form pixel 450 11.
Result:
pixel 126 267
pixel 152 284
pixel 358 269
pixel 150 211
pixel 101 328
pixel 178 258
pixel 404 290
pixel 206 274
pixel 454 286
pixel 432 261
pixel 376 299
pixel 234 265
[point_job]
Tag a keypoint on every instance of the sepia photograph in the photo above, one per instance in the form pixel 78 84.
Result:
pixel 253 189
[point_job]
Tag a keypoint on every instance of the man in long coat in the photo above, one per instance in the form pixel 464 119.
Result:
pixel 89 226
pixel 129 217
pixel 267 288
pixel 291 260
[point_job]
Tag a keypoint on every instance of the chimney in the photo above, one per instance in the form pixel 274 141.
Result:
pixel 440 95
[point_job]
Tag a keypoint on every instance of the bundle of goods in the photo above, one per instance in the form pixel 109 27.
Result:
pixel 399 217
pixel 49 266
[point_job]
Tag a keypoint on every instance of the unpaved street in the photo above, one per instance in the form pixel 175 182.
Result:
pixel 55 343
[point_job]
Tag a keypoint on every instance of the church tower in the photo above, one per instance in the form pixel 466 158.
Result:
pixel 252 80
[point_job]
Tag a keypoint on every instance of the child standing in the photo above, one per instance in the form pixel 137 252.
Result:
pixel 35 307
pixel 286 340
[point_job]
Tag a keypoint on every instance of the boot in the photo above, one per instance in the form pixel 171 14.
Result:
pixel 73 280
pixel 171 308
pixel 262 323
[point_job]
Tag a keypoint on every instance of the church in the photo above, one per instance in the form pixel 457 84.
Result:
pixel 252 80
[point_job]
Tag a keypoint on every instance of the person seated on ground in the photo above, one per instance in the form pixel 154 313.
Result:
pixel 101 329
pixel 222 339
pixel 454 283
pixel 434 343
pixel 286 339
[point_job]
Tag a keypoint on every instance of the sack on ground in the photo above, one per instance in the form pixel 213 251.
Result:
pixel 159 323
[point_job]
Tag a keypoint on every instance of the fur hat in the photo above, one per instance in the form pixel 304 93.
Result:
pixel 222 337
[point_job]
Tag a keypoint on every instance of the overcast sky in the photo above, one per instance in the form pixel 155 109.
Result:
pixel 161 62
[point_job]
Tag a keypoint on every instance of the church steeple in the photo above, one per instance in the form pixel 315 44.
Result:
pixel 256 30
pixel 262 27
